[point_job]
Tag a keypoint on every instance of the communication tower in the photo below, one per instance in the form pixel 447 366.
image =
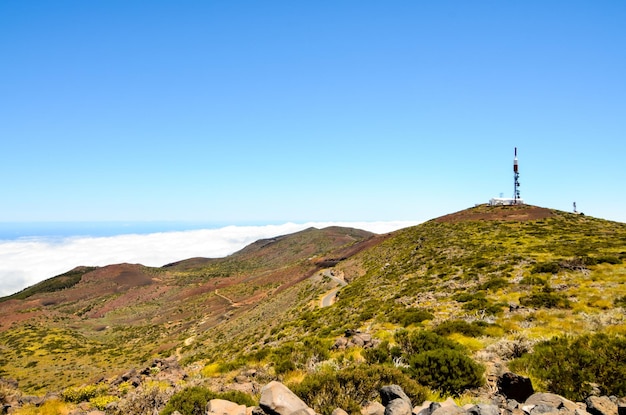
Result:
pixel 516 194
pixel 516 199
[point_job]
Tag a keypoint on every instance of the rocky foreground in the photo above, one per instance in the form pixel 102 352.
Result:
pixel 277 399
pixel 514 395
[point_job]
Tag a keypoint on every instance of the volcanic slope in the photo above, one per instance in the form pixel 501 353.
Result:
pixel 517 273
pixel 93 322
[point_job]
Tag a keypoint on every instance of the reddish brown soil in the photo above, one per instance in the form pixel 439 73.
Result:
pixel 499 213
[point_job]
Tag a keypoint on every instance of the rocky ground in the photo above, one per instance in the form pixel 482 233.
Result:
pixel 514 396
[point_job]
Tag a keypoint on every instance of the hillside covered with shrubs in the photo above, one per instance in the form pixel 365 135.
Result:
pixel 441 309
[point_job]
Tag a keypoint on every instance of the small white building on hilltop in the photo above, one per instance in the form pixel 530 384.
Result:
pixel 505 201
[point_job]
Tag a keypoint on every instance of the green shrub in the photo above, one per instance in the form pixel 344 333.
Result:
pixel 408 316
pixel 533 280
pixel 189 401
pixel 620 301
pixel 283 366
pixel 293 355
pixel 379 354
pixel 101 402
pixel 570 366
pixel 238 397
pixel 545 298
pixel 494 284
pixel 193 400
pixel 608 259
pixel 353 387
pixel 464 297
pixel 422 341
pixel 446 370
pixel 459 326
pixel 546 268
pixel 82 393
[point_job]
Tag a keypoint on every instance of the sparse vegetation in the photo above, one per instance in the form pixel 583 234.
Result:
pixel 353 386
pixel 433 296
pixel 571 365
pixel 446 370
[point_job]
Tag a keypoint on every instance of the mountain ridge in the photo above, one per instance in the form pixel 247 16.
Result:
pixel 517 272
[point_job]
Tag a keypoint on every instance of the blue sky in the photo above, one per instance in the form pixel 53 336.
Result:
pixel 275 111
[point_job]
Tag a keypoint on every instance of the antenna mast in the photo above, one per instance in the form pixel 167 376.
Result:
pixel 516 194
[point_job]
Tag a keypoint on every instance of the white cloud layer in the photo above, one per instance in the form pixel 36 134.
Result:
pixel 25 262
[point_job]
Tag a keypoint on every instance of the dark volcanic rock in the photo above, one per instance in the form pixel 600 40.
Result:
pixel 392 392
pixel 515 386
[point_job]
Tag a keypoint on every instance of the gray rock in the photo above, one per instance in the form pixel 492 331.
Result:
pixel 305 411
pixel 339 411
pixel 373 408
pixel 551 399
pixel 277 399
pixel 223 407
pixel 340 343
pixel 357 341
pixel 601 405
pixel 398 406
pixel 484 409
pixel 449 410
pixel 511 404
pixel 429 409
pixel 392 392
pixel 543 408
pixel 514 386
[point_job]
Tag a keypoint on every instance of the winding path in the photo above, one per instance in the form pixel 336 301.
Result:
pixel 329 298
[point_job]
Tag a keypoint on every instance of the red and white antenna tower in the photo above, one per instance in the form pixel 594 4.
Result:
pixel 516 194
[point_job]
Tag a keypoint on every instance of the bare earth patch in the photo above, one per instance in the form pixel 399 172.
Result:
pixel 518 213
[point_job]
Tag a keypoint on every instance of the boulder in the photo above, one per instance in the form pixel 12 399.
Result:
pixel 277 399
pixel 398 406
pixel 374 408
pixel 339 411
pixel 544 409
pixel 340 343
pixel 601 405
pixel 304 411
pixel 483 409
pixel 551 399
pixel 223 407
pixel 427 408
pixel 514 386
pixel 449 410
pixel 393 392
pixel 357 341
pixel 449 407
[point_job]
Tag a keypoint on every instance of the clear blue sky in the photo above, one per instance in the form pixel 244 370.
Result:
pixel 265 111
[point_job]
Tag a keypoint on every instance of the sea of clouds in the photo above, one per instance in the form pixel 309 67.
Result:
pixel 26 261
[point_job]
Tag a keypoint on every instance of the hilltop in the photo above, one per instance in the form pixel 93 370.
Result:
pixel 496 282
